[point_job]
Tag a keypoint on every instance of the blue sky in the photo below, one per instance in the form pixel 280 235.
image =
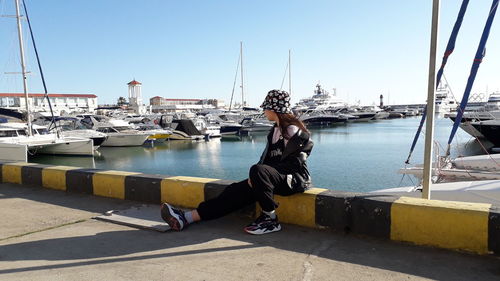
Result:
pixel 189 49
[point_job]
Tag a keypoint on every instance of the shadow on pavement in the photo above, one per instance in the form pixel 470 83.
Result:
pixel 134 244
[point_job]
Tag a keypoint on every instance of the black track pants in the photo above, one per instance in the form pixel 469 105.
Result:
pixel 266 182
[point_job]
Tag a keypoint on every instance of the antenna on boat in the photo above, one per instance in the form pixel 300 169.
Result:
pixel 23 67
pixel 431 86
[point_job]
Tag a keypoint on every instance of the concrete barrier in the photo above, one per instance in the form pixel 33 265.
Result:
pixel 472 227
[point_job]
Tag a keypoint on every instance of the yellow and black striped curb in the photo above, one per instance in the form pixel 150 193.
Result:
pixel 473 227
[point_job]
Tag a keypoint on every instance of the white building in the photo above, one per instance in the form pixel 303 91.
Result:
pixel 60 102
pixel 160 104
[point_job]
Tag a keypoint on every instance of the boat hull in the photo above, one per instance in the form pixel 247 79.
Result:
pixel 230 130
pixel 118 140
pixel 491 132
pixel 485 191
pixel 13 152
pixel 323 120
pixel 83 147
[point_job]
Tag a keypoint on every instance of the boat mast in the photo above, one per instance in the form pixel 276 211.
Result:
pixel 241 58
pixel 290 72
pixel 431 87
pixel 23 66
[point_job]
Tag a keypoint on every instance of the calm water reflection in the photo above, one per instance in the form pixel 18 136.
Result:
pixel 354 157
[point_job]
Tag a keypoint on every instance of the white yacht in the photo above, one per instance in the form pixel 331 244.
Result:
pixel 71 127
pixel 321 99
pixel 493 103
pixel 251 124
pixel 158 134
pixel 207 128
pixel 119 132
pixel 316 117
pixel 444 100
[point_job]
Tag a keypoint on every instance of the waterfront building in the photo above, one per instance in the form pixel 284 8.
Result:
pixel 160 104
pixel 60 102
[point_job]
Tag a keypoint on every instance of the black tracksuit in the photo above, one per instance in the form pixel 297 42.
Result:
pixel 281 170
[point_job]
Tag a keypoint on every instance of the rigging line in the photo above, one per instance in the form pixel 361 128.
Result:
pixel 401 181
pixel 413 183
pixel 449 87
pixel 234 84
pixel 480 53
pixel 53 122
pixel 450 47
pixel 284 76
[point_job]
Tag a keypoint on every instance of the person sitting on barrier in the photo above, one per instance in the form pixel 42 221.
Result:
pixel 281 170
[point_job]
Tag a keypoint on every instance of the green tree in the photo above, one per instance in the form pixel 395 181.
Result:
pixel 122 101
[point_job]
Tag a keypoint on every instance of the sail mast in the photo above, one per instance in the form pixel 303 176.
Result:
pixel 23 66
pixel 431 86
pixel 290 72
pixel 241 62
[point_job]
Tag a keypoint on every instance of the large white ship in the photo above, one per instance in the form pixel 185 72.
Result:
pixel 321 100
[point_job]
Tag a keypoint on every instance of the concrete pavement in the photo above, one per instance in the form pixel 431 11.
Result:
pixel 49 235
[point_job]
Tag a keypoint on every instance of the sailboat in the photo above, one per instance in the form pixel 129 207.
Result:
pixel 28 139
pixel 229 127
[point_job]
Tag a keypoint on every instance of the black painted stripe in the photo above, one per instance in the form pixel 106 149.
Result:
pixel 32 175
pixel 494 230
pixel 372 215
pixel 144 188
pixel 213 189
pixel 333 210
pixel 80 180
pixel 359 213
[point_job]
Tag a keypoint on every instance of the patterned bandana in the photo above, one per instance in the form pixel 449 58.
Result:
pixel 277 101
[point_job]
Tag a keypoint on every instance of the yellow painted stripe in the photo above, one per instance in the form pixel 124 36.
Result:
pixel 184 191
pixel 110 183
pixel 445 224
pixel 11 172
pixel 300 208
pixel 55 177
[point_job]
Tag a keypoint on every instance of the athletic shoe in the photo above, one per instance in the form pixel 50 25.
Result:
pixel 263 224
pixel 174 217
pixel 261 218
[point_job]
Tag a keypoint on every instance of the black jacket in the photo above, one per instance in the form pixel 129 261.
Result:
pixel 293 160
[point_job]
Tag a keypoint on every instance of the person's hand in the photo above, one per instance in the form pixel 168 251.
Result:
pixel 249 183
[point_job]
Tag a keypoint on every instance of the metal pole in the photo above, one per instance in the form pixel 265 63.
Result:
pixel 431 87
pixel 241 57
pixel 290 72
pixel 23 66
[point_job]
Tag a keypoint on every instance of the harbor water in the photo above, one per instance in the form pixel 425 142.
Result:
pixel 356 157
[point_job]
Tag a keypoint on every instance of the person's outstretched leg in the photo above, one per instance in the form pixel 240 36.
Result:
pixel 234 197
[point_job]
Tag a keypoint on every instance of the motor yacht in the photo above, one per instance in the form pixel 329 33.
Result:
pixel 119 132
